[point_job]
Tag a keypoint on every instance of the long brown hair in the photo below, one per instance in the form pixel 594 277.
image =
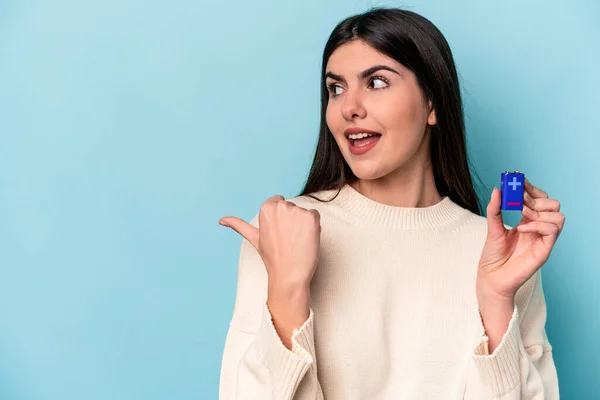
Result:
pixel 416 43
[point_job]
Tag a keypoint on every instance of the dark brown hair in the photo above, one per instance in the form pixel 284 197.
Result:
pixel 416 43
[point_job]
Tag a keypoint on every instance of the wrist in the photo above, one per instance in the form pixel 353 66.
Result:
pixel 288 299
pixel 494 302
pixel 489 298
pixel 288 288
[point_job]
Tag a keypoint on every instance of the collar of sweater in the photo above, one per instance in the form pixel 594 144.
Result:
pixel 435 217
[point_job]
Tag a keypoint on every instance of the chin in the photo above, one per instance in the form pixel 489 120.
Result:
pixel 365 172
pixel 371 170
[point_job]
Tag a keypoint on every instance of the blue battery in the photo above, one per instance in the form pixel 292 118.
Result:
pixel 512 187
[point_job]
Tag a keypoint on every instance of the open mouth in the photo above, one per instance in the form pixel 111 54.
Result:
pixel 361 143
pixel 363 139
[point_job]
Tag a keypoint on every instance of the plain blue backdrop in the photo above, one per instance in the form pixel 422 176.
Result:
pixel 128 128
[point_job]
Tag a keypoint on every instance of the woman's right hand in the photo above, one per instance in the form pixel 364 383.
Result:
pixel 287 239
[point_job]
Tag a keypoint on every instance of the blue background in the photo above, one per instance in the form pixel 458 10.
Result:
pixel 128 128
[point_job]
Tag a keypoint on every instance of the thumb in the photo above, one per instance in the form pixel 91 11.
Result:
pixel 494 216
pixel 249 232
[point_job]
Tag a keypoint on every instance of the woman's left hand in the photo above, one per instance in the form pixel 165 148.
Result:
pixel 510 257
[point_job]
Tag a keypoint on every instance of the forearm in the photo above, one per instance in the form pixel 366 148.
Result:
pixel 495 316
pixel 518 363
pixel 496 313
pixel 289 308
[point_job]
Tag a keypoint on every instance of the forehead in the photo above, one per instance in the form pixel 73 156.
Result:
pixel 356 56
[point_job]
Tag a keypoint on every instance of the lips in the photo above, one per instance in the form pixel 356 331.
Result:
pixel 358 129
pixel 361 146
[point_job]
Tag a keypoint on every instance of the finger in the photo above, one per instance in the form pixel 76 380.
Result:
pixel 548 232
pixel 555 218
pixel 541 228
pixel 316 213
pixel 317 216
pixel 494 215
pixel 548 235
pixel 275 198
pixel 279 198
pixel 534 191
pixel 249 232
pixel 541 203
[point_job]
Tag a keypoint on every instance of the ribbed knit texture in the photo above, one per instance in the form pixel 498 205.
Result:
pixel 393 314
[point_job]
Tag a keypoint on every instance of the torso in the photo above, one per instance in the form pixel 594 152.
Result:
pixel 395 310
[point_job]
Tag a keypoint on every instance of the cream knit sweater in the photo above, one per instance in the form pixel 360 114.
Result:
pixel 393 315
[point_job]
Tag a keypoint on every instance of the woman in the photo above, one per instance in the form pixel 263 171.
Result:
pixel 381 280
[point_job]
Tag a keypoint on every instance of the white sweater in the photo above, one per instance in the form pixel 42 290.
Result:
pixel 393 314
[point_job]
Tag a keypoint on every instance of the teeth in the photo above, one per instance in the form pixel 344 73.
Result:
pixel 360 135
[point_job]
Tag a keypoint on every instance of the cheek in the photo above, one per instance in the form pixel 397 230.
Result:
pixel 332 118
pixel 399 112
pixel 395 108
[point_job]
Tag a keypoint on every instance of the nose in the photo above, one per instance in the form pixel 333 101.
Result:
pixel 353 106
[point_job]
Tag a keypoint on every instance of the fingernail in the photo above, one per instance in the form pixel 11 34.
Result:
pixel 223 223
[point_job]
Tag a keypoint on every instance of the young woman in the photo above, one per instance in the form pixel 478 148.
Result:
pixel 381 280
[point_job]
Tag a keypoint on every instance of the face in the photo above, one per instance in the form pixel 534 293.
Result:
pixel 386 101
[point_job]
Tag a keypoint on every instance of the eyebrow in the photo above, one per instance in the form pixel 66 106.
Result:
pixel 362 75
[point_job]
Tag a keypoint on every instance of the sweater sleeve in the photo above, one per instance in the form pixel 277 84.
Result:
pixel 521 367
pixel 255 363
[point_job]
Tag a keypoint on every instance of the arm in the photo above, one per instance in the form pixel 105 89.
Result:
pixel 256 363
pixel 520 366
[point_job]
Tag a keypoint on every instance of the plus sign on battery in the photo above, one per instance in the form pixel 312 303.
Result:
pixel 514 183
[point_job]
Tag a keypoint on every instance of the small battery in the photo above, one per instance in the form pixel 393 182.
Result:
pixel 512 187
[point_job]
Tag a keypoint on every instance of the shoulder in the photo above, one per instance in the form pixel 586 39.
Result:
pixel 319 200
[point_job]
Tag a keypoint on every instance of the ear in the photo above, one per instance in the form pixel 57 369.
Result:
pixel 431 119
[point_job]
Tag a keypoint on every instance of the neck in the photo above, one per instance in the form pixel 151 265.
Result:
pixel 405 187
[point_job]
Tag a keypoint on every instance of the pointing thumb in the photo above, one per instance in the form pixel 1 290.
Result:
pixel 249 232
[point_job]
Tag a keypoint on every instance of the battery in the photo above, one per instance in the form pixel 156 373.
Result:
pixel 512 187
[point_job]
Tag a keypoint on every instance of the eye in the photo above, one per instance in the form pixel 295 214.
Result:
pixel 380 79
pixel 331 87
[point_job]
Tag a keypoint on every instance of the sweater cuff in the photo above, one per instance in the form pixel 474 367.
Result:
pixel 286 367
pixel 500 370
